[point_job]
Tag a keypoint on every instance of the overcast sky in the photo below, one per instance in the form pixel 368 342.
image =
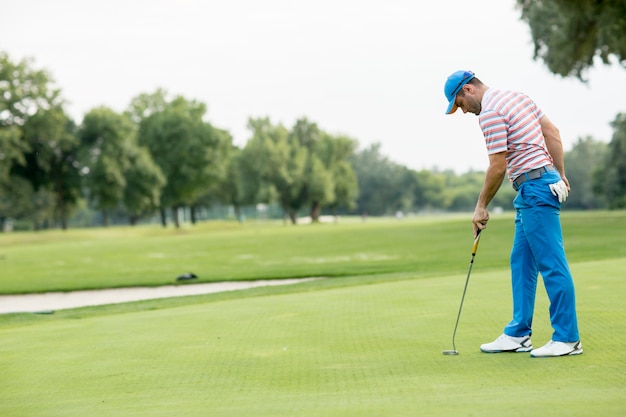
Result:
pixel 373 70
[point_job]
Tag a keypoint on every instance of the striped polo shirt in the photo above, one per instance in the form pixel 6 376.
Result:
pixel 510 123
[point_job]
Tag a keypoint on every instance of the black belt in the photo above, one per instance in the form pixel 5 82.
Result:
pixel 531 175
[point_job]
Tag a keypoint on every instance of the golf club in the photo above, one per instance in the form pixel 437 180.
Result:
pixel 474 249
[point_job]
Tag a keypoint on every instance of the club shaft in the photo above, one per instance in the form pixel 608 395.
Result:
pixel 458 316
pixel 469 271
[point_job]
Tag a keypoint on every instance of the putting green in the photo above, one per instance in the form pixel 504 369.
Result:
pixel 364 350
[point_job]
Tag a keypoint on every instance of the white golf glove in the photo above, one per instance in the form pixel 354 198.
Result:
pixel 559 189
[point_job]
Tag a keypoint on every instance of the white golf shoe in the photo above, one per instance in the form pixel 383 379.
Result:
pixel 505 343
pixel 553 349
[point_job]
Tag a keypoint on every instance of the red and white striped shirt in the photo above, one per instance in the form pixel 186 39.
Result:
pixel 510 123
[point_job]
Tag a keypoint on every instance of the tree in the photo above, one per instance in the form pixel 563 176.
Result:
pixel 346 187
pixel 335 154
pixel 52 161
pixel 569 34
pixel 107 140
pixel 279 166
pixel 384 186
pixel 144 182
pixel 610 179
pixel 231 189
pixel 24 93
pixel 429 192
pixel 298 168
pixel 189 152
pixel 223 177
pixel 245 166
pixel 319 189
pixel 144 105
pixel 23 202
pixel 316 185
pixel 585 157
pixel 11 149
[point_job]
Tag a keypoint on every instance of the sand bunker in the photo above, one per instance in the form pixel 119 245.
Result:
pixel 51 301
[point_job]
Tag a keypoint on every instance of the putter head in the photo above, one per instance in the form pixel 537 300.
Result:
pixel 451 352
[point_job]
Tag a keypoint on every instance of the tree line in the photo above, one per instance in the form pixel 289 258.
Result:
pixel 161 154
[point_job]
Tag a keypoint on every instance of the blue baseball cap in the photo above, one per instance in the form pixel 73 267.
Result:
pixel 453 85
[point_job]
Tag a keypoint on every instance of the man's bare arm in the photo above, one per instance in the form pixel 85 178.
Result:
pixel 493 181
pixel 555 146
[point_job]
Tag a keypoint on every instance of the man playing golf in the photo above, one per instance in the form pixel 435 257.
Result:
pixel 524 143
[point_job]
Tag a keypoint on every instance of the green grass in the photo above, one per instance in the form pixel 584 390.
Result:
pixel 361 344
pixel 119 257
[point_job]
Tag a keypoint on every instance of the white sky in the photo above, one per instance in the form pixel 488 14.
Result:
pixel 373 70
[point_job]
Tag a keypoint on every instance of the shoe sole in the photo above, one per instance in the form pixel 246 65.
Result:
pixel 572 353
pixel 522 348
pixel 578 349
pixel 518 350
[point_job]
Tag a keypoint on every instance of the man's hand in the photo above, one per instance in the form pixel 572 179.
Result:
pixel 480 219
pixel 559 189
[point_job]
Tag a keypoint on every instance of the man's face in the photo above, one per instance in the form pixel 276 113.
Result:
pixel 467 101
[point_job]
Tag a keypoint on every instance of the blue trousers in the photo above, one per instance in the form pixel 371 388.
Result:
pixel 538 248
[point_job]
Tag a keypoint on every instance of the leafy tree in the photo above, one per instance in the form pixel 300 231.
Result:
pixel 346 187
pixel 144 182
pixel 279 166
pixel 298 168
pixel 188 151
pixel 223 177
pixel 246 163
pixel 17 201
pixel 144 105
pixel 335 154
pixel 463 200
pixel 107 141
pixel 52 162
pixel 23 92
pixel 320 187
pixel 586 156
pixel 316 187
pixel 26 92
pixel 429 192
pixel 569 34
pixel 460 191
pixel 384 186
pixel 231 188
pixel 610 180
pixel 11 149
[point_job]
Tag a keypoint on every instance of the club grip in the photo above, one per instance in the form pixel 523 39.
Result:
pixel 476 239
